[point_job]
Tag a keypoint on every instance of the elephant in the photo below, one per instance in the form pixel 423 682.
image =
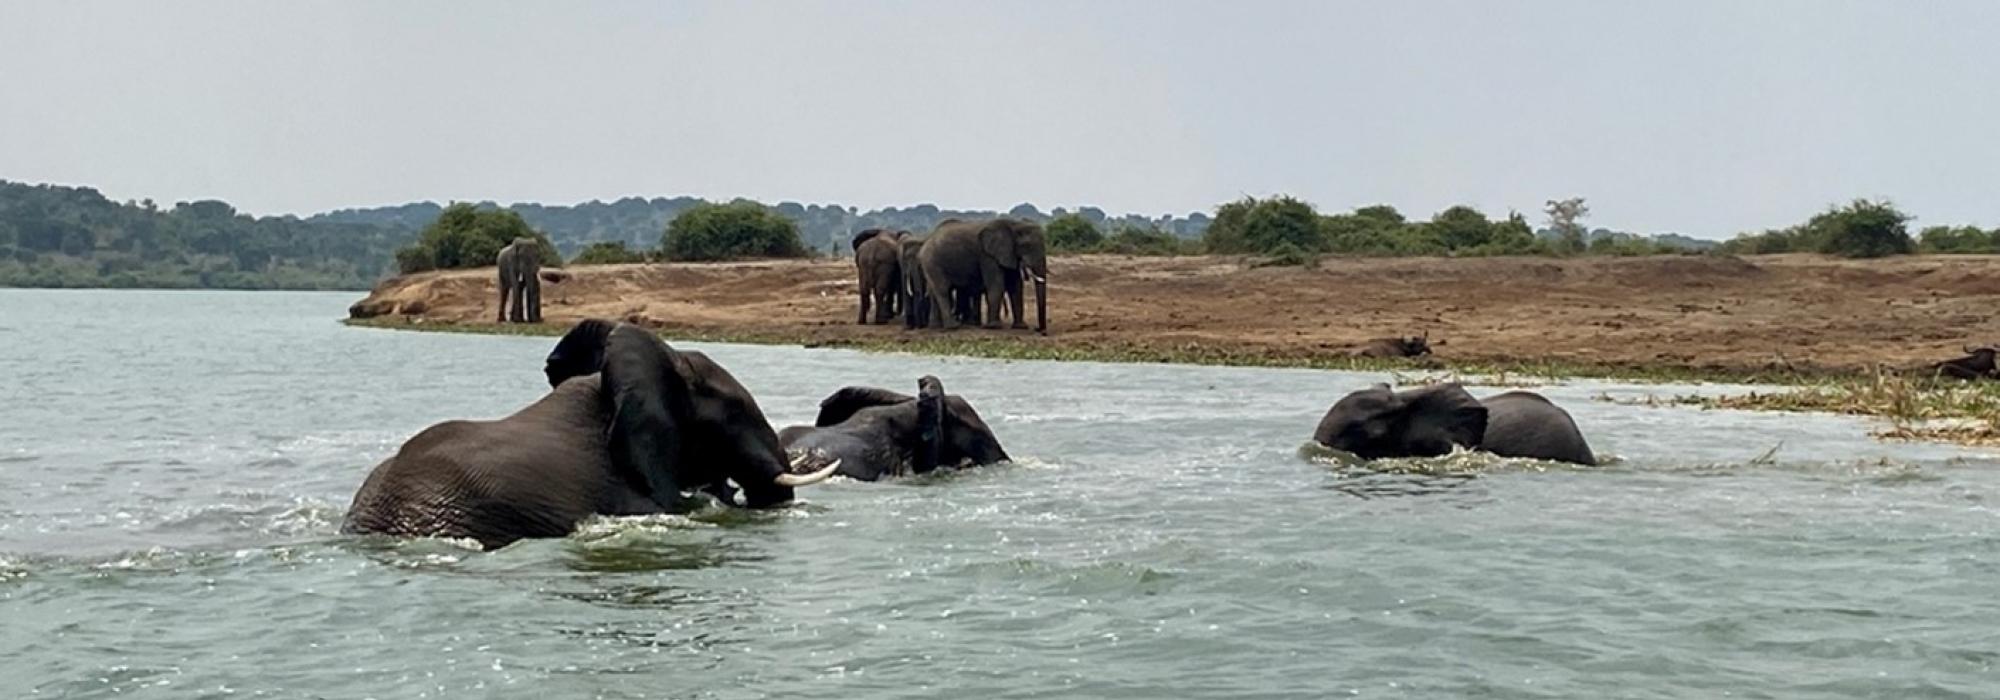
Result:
pixel 1377 422
pixel 989 258
pixel 916 301
pixel 878 259
pixel 520 266
pixel 916 295
pixel 1978 363
pixel 874 433
pixel 628 424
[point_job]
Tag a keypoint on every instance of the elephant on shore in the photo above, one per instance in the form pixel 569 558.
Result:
pixel 875 433
pixel 988 258
pixel 520 265
pixel 1377 423
pixel 629 425
pixel 916 294
pixel 878 260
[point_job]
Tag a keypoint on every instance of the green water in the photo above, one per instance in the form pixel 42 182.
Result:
pixel 173 467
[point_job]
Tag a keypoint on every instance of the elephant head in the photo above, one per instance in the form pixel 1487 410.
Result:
pixel 948 431
pixel 1377 422
pixel 1018 245
pixel 678 419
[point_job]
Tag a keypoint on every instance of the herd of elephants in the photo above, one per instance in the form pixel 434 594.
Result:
pixel 632 426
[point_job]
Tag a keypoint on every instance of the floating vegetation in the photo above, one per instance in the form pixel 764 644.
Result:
pixel 1917 408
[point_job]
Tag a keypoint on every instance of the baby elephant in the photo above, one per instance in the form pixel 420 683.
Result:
pixel 1377 422
pixel 875 433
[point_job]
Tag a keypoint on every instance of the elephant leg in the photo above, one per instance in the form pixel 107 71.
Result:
pixel 1013 290
pixel 534 290
pixel 862 317
pixel 995 287
pixel 500 316
pixel 939 290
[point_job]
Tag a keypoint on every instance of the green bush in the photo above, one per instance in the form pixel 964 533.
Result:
pixel 466 236
pixel 734 231
pixel 1132 240
pixel 1958 240
pixel 1862 229
pixel 1071 233
pixel 607 253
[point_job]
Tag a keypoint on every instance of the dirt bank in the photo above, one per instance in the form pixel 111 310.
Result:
pixel 1708 314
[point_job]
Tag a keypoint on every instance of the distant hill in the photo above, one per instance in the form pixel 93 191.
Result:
pixel 639 222
pixel 54 236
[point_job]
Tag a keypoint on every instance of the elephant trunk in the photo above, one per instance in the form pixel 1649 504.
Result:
pixel 930 424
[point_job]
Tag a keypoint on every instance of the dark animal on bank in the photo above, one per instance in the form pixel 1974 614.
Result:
pixel 1377 423
pixel 1414 346
pixel 630 424
pixel 1977 364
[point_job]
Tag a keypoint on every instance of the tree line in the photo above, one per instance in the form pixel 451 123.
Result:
pixel 56 236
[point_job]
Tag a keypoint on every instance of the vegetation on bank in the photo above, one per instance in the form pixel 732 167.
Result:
pixel 1014 346
pixel 466 236
pixel 734 231
pixel 55 236
pixel 1916 407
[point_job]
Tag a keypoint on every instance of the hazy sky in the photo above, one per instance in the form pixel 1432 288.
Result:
pixel 1701 117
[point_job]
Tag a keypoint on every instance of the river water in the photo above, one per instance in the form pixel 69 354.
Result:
pixel 174 466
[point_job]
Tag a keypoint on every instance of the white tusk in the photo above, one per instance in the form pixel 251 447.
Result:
pixel 1038 280
pixel 797 480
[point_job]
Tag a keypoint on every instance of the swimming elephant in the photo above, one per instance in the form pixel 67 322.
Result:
pixel 989 258
pixel 878 260
pixel 629 425
pixel 872 433
pixel 1377 422
pixel 520 265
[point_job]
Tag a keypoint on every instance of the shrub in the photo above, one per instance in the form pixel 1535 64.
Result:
pixel 607 253
pixel 465 236
pixel 737 230
pixel 1957 239
pixel 1862 229
pixel 1133 240
pixel 1071 233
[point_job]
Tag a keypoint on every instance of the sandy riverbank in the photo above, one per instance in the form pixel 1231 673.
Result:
pixel 1694 314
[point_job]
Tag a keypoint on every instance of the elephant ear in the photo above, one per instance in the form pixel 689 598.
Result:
pixel 643 392
pixel 863 237
pixel 997 239
pixel 843 404
pixel 1448 408
pixel 580 352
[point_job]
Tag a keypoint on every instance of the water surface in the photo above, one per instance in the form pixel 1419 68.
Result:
pixel 174 465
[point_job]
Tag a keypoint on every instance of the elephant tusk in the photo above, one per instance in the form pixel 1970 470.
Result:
pixel 1038 279
pixel 797 480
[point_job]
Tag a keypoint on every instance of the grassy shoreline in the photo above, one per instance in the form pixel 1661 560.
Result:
pixel 1011 347
pixel 1917 409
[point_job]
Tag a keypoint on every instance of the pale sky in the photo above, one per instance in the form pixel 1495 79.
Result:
pixel 1706 118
